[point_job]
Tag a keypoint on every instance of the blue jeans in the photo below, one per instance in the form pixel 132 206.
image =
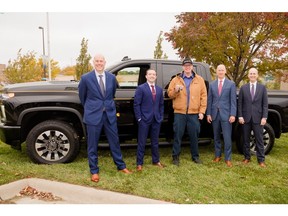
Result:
pixel 193 130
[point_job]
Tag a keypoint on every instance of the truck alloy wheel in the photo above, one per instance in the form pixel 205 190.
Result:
pixel 268 138
pixel 52 142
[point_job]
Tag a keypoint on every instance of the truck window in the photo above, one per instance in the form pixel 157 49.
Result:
pixel 132 76
pixel 128 77
pixel 170 70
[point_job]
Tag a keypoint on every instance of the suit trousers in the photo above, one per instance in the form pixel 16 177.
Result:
pixel 193 130
pixel 226 128
pixel 111 132
pixel 143 131
pixel 258 134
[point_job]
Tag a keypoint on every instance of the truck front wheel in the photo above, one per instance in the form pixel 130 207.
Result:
pixel 268 138
pixel 52 142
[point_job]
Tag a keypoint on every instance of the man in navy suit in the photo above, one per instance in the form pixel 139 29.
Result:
pixel 221 111
pixel 96 92
pixel 149 111
pixel 253 113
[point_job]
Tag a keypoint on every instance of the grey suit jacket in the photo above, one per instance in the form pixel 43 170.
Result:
pixel 225 104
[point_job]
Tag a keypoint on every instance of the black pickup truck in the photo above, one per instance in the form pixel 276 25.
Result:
pixel 48 115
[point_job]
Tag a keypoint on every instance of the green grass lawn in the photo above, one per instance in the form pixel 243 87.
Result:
pixel 187 184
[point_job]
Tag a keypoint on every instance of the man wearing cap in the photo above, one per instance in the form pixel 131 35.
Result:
pixel 189 95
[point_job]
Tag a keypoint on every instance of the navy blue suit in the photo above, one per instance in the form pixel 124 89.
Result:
pixel 99 112
pixel 149 114
pixel 253 111
pixel 220 108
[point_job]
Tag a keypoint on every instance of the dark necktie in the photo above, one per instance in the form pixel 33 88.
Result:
pixel 220 87
pixel 153 92
pixel 252 92
pixel 101 83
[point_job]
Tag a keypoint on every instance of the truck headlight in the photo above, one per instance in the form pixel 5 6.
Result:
pixel 7 95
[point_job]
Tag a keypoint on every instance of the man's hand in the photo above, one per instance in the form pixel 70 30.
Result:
pixel 200 116
pixel 178 88
pixel 231 119
pixel 241 120
pixel 263 121
pixel 209 118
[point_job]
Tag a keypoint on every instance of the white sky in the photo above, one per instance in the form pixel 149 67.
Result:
pixel 113 34
pixel 111 27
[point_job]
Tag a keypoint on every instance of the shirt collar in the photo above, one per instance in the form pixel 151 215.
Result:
pixel 221 80
pixel 191 77
pixel 97 73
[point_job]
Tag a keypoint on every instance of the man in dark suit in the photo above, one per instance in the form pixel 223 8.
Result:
pixel 221 111
pixel 253 113
pixel 96 92
pixel 149 111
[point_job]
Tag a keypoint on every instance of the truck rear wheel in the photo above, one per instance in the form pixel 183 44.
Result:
pixel 52 142
pixel 268 136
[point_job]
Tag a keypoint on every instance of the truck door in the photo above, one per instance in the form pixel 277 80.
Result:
pixel 128 78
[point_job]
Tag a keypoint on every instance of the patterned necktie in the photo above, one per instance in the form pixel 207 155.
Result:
pixel 101 83
pixel 252 92
pixel 153 92
pixel 220 87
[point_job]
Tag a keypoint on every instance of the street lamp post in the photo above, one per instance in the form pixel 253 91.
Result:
pixel 43 58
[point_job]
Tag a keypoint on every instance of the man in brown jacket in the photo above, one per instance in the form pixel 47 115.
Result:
pixel 189 95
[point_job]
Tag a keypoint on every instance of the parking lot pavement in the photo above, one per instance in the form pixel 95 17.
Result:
pixel 41 191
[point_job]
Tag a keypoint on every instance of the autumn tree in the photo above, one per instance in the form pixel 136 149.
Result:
pixel 238 40
pixel 26 68
pixel 55 69
pixel 82 63
pixel 158 53
pixel 69 71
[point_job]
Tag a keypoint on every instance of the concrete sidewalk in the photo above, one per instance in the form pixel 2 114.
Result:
pixel 67 194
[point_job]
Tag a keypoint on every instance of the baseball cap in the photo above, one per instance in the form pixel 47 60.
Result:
pixel 187 60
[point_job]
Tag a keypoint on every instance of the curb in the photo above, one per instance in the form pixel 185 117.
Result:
pixel 73 194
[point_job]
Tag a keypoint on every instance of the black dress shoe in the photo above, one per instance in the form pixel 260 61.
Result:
pixel 197 161
pixel 175 160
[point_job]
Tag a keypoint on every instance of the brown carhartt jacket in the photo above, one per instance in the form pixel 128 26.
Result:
pixel 198 95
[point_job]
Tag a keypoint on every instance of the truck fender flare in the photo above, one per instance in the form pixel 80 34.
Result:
pixel 278 116
pixel 37 109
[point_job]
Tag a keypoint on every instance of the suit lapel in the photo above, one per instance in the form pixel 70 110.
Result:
pixel 148 90
pixel 248 91
pixel 257 91
pixel 158 92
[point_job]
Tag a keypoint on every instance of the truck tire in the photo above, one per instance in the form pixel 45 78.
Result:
pixel 52 142
pixel 268 136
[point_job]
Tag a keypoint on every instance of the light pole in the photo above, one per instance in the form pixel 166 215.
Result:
pixel 43 58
